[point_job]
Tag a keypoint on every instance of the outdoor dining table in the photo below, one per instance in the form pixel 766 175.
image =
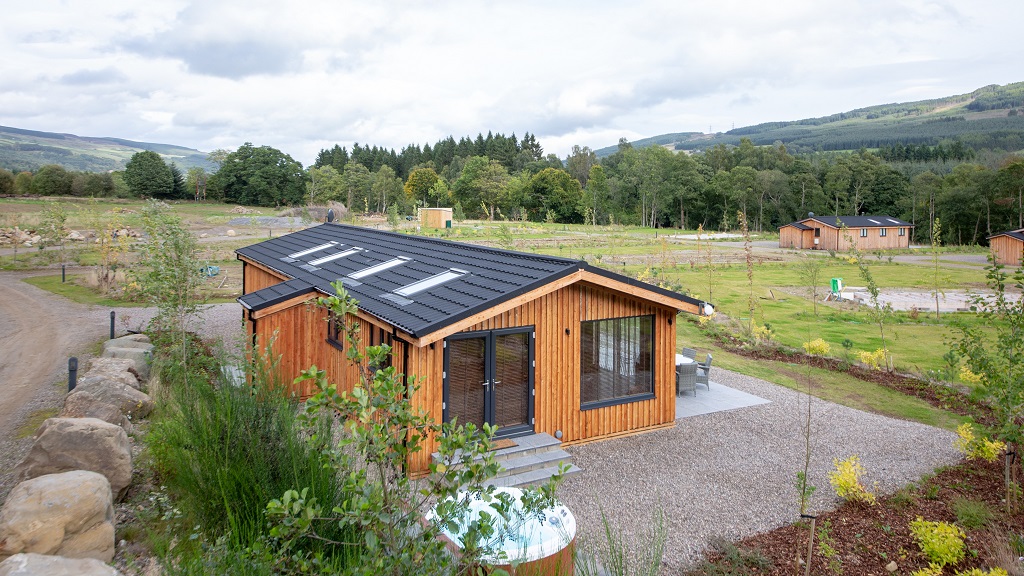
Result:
pixel 686 375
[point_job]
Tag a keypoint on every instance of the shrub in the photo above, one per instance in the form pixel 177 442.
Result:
pixel 931 570
pixel 845 480
pixel 817 347
pixel 968 377
pixel 941 542
pixel 873 359
pixel 971 514
pixel 974 447
pixel 979 572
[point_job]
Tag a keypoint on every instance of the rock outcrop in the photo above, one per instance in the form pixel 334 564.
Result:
pixel 39 564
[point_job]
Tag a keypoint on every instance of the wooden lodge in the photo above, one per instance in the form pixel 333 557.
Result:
pixel 1007 247
pixel 436 217
pixel 527 342
pixel 825 233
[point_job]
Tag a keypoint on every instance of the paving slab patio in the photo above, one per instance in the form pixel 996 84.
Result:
pixel 716 398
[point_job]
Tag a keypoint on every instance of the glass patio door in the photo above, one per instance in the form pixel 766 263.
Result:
pixel 488 377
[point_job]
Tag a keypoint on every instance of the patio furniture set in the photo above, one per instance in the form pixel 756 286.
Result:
pixel 690 372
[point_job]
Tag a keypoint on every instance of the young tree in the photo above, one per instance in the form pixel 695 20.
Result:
pixel 169 275
pixel 936 242
pixel 381 430
pixel 993 349
pixel 54 226
pixel 810 268
pixel 148 176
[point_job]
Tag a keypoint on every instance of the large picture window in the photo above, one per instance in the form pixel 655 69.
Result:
pixel 616 360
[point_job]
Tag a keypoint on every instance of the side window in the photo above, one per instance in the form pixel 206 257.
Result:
pixel 881 231
pixel 335 332
pixel 817 232
pixel 863 232
pixel 903 232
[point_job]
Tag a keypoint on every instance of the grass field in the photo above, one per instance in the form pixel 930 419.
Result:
pixel 917 342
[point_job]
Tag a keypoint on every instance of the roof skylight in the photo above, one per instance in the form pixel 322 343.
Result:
pixel 893 221
pixel 325 259
pixel 313 249
pixel 873 220
pixel 379 267
pixel 430 282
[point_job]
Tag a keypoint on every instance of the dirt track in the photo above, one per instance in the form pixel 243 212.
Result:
pixel 38 333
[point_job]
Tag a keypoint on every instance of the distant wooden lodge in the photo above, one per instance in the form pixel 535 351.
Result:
pixel 867 232
pixel 1007 247
pixel 436 217
pixel 526 342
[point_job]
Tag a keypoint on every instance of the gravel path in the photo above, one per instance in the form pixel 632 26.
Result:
pixel 35 383
pixel 732 474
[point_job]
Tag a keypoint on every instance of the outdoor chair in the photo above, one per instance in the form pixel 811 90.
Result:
pixel 686 378
pixel 704 372
pixel 689 353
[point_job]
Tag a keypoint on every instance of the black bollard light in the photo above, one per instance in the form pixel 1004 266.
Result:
pixel 111 324
pixel 72 373
pixel 62 275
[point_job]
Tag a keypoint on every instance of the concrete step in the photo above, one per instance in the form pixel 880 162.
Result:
pixel 531 477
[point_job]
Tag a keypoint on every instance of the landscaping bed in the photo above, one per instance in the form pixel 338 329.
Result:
pixel 857 539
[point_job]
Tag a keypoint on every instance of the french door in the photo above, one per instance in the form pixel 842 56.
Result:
pixel 488 377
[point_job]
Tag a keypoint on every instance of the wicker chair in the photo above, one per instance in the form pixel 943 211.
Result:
pixel 704 372
pixel 689 353
pixel 686 379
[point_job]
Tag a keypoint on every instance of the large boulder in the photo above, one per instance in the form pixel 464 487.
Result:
pixel 131 402
pixel 85 404
pixel 39 564
pixel 122 370
pixel 63 444
pixel 69 514
pixel 141 356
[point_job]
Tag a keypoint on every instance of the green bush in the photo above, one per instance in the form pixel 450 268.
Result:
pixel 941 542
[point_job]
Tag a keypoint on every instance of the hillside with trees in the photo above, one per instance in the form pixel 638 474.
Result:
pixel 972 186
pixel 991 117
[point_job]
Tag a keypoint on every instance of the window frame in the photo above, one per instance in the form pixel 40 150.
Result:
pixel 335 332
pixel 882 232
pixel 902 231
pixel 863 232
pixel 817 232
pixel 652 378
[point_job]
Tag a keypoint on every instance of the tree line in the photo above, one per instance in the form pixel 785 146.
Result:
pixel 504 177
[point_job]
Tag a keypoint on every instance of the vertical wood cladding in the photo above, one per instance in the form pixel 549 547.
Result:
pixel 298 339
pixel 1007 250
pixel 255 277
pixel 834 239
pixel 557 373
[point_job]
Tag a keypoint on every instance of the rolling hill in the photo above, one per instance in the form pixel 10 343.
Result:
pixel 989 117
pixel 29 149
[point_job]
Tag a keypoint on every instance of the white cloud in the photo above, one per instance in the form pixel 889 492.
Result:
pixel 301 76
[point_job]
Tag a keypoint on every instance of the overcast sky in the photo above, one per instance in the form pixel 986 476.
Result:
pixel 301 76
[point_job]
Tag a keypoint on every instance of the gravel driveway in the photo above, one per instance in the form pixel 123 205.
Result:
pixel 732 474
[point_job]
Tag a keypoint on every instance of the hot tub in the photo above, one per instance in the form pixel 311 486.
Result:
pixel 538 543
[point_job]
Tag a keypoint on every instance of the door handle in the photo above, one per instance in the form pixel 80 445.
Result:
pixel 495 382
pixel 484 383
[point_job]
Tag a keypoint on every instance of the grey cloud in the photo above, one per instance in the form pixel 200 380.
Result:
pixel 221 58
pixel 88 77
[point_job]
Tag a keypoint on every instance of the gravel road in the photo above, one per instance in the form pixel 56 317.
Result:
pixel 732 474
pixel 39 331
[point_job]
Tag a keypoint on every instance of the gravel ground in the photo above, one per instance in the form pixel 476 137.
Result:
pixel 732 474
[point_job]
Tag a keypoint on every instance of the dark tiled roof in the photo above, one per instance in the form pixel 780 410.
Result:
pixel 798 226
pixel 859 221
pixel 480 277
pixel 1018 234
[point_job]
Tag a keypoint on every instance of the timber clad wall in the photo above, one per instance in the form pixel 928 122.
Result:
pixel 1007 250
pixel 255 277
pixel 833 238
pixel 557 374
pixel 299 335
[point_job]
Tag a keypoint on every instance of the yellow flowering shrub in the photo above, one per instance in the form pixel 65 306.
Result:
pixel 931 570
pixel 979 572
pixel 817 347
pixel 968 377
pixel 762 332
pixel 874 359
pixel 974 447
pixel 941 542
pixel 846 481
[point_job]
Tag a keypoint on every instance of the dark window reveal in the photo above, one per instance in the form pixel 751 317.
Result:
pixel 616 360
